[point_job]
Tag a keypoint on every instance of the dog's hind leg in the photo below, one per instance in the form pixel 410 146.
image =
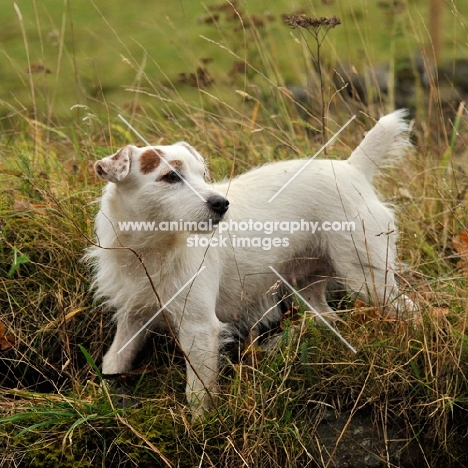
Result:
pixel 315 295
pixel 370 272
pixel 379 287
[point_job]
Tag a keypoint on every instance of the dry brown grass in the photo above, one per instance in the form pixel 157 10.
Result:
pixel 297 404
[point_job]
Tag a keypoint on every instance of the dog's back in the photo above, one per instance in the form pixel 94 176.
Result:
pixel 324 192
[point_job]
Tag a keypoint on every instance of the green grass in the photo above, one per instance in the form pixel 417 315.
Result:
pixel 109 58
pixel 98 48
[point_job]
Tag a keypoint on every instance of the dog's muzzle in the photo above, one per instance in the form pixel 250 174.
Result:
pixel 218 204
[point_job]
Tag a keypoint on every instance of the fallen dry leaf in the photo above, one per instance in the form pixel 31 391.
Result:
pixel 38 68
pixel 290 314
pixel 364 312
pixel 6 341
pixel 439 312
pixel 461 247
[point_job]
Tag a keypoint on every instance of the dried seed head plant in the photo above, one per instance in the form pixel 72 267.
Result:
pixel 318 28
pixel 314 25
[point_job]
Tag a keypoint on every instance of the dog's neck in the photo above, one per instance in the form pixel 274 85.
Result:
pixel 115 211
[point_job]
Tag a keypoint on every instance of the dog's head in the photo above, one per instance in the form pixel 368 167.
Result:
pixel 163 183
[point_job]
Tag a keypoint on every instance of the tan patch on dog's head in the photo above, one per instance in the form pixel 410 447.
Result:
pixel 150 160
pixel 176 164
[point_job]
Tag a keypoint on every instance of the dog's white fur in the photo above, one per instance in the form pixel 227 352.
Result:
pixel 236 285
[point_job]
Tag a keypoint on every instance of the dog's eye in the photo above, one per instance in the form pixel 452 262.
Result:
pixel 171 177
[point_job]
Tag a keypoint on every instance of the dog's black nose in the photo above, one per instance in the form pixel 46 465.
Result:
pixel 218 204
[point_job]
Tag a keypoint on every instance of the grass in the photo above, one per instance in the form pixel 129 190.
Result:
pixel 299 403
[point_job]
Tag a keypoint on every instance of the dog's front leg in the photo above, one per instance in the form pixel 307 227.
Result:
pixel 200 343
pixel 128 340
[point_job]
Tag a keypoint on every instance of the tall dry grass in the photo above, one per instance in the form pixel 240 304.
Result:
pixel 298 401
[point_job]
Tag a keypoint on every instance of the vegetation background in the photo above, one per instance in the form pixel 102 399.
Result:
pixel 244 88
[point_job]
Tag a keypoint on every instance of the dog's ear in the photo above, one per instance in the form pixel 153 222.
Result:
pixel 192 150
pixel 116 167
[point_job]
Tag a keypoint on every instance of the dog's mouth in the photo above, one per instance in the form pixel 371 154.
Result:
pixel 216 219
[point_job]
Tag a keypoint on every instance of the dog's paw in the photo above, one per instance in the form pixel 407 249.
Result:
pixel 330 316
pixel 404 308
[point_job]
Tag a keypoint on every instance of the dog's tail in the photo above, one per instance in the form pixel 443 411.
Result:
pixel 387 141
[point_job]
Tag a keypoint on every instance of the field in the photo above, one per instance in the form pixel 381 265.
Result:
pixel 244 88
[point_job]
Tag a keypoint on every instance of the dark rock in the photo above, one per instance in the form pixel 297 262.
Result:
pixel 362 443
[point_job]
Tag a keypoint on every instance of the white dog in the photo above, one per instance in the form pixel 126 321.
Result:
pixel 207 288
